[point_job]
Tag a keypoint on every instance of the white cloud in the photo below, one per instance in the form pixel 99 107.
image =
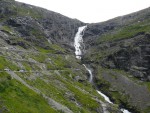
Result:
pixel 91 10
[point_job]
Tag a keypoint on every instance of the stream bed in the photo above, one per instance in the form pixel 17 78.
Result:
pixel 79 48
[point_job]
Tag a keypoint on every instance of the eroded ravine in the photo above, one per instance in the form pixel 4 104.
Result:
pixel 79 49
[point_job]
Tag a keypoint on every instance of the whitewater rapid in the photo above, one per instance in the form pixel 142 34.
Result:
pixel 79 48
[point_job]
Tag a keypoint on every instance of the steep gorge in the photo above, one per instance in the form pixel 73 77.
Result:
pixel 39 71
pixel 38 68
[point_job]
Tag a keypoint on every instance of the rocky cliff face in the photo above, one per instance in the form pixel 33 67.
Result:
pixel 118 50
pixel 39 71
pixel 129 35
pixel 36 25
pixel 133 56
pixel 38 68
pixel 111 26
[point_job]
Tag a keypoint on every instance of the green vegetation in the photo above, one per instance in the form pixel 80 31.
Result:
pixel 126 32
pixel 148 85
pixel 65 91
pixel 147 110
pixel 46 51
pixel 24 10
pixel 7 29
pixel 52 48
pixel 84 99
pixel 39 57
pixel 27 66
pixel 19 41
pixel 57 83
pixel 56 70
pixel 16 9
pixel 19 99
pixel 7 64
pixel 57 48
pixel 60 62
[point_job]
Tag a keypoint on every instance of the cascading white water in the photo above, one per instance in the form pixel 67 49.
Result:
pixel 79 47
pixel 99 92
pixel 78 42
pixel 90 72
pixel 125 111
pixel 105 97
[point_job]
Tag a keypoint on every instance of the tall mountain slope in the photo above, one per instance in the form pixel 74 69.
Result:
pixel 119 51
pixel 38 69
pixel 36 25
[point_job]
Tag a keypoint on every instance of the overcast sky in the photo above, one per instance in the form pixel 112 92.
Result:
pixel 91 10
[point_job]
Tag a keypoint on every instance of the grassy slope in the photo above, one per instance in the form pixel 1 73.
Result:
pixel 53 75
pixel 17 98
pixel 126 32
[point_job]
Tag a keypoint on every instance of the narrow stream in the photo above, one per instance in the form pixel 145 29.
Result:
pixel 79 48
pixel 90 72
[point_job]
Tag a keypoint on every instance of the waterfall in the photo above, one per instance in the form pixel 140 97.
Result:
pixel 78 42
pixel 79 48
